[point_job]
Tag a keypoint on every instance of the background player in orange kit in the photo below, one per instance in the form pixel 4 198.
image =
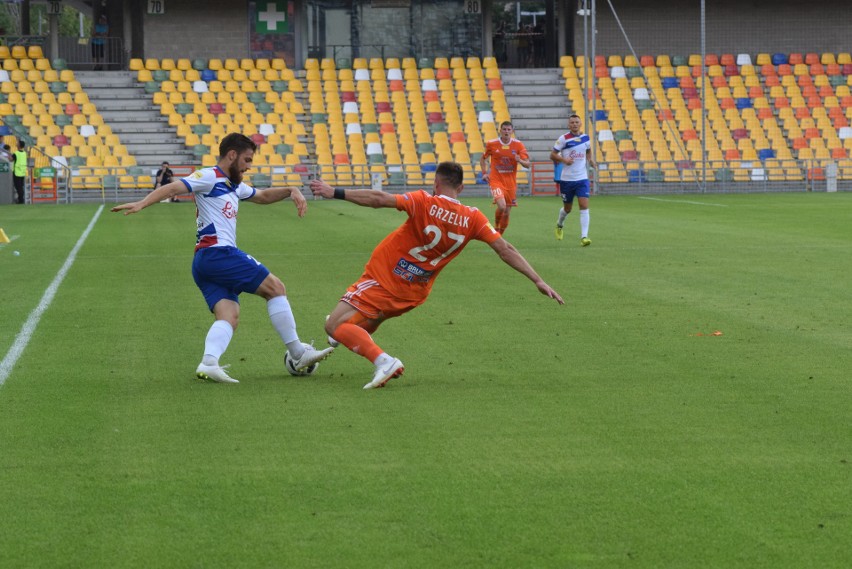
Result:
pixel 400 273
pixel 506 153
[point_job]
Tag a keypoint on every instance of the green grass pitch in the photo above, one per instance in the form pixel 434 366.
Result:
pixel 614 431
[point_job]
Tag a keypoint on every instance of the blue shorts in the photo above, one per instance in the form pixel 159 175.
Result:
pixel 579 188
pixel 225 272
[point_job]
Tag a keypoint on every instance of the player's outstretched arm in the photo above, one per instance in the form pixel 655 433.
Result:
pixel 272 195
pixel 512 257
pixel 168 191
pixel 366 198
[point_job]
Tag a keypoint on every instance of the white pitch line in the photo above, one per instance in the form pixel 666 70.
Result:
pixel 27 330
pixel 683 201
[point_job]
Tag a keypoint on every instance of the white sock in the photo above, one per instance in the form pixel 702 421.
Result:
pixel 218 338
pixel 562 215
pixel 382 360
pixel 284 323
pixel 584 223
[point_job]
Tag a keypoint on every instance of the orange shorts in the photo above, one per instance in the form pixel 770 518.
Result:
pixel 369 298
pixel 508 195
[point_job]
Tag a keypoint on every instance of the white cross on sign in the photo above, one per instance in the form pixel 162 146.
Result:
pixel 271 16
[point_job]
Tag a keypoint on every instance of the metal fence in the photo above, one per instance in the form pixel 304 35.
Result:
pixel 52 181
pixel 81 54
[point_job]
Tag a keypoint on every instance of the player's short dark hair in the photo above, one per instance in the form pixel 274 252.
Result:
pixel 238 142
pixel 449 174
pixel 573 115
pixel 506 123
pixel 21 144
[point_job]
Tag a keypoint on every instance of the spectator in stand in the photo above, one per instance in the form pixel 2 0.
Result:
pixel 164 176
pixel 99 34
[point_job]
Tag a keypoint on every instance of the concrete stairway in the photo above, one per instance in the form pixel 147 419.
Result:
pixel 538 104
pixel 130 111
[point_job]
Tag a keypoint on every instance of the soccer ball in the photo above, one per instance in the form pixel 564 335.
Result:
pixel 288 363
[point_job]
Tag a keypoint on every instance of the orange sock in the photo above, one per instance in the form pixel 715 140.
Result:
pixel 498 219
pixel 358 340
pixel 504 223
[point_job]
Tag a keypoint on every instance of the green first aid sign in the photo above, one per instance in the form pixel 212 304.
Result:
pixel 272 17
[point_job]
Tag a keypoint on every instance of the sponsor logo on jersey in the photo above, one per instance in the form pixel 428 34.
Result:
pixel 411 272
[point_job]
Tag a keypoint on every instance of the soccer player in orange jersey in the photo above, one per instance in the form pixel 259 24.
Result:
pixel 400 273
pixel 506 153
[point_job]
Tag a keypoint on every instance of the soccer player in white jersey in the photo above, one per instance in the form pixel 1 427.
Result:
pixel 220 269
pixel 574 151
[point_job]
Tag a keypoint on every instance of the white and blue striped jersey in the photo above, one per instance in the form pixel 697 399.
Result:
pixel 217 201
pixel 574 147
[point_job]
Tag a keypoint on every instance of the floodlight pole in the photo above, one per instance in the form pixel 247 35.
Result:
pixel 703 100
pixel 592 131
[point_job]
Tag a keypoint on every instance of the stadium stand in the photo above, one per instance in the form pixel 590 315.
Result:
pixel 389 118
pixel 43 104
pixel 780 118
pixel 769 117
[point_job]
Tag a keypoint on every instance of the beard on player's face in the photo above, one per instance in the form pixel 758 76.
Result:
pixel 234 173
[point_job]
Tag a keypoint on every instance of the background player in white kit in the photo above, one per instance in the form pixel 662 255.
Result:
pixel 573 149
pixel 220 269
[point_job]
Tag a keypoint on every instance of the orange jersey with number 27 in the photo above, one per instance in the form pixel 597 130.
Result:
pixel 407 261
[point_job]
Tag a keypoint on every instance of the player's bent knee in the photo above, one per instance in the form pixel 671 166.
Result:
pixel 271 287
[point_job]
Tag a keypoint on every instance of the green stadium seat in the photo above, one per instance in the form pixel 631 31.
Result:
pixel 109 182
pixel 724 175
pixel 261 180
pixel 199 64
pixel 654 175
pixel 632 72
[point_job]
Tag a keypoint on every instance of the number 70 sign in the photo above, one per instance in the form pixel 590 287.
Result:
pixel 157 7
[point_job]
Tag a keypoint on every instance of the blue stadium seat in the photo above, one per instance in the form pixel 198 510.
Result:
pixel 766 154
pixel 744 103
pixel 636 176
pixel 779 58
pixel 208 75
pixel 601 115
pixel 670 83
